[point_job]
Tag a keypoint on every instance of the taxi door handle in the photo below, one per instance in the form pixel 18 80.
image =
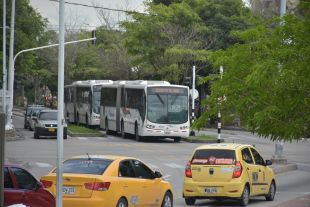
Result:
pixel 125 186
pixel 145 186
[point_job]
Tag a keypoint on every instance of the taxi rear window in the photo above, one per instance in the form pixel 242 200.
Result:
pixel 86 166
pixel 214 157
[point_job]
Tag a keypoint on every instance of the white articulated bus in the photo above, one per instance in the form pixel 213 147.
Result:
pixel 82 101
pixel 145 109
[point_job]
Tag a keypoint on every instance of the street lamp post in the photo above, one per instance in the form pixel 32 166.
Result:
pixel 11 67
pixel 4 72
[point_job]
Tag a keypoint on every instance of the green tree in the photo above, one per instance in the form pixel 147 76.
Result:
pixel 176 35
pixel 266 79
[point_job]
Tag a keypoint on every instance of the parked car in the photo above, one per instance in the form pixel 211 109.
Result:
pixel 219 171
pixel 27 114
pixel 20 187
pixel 110 181
pixel 45 124
pixel 33 114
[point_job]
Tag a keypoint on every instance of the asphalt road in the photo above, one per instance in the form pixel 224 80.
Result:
pixel 170 158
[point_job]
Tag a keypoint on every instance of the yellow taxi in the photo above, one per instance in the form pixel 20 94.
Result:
pixel 219 171
pixel 110 181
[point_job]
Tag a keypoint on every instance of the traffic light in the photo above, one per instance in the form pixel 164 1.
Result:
pixel 187 81
pixel 93 34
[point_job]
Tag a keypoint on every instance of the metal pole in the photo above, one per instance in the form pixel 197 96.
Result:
pixel 192 133
pixel 60 116
pixel 4 72
pixel 219 123
pixel 11 68
pixel 2 154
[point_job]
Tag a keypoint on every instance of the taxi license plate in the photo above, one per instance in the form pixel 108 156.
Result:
pixel 68 190
pixel 210 190
pixel 51 129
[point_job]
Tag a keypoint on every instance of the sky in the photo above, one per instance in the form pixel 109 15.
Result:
pixel 77 17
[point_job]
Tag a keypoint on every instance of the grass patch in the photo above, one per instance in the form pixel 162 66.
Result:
pixel 203 137
pixel 82 130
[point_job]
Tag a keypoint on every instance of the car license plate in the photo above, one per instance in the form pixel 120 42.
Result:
pixel 68 190
pixel 167 132
pixel 210 190
pixel 51 129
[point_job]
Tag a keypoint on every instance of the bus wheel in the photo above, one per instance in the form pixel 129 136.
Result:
pixel 123 130
pixel 137 137
pixel 107 131
pixel 86 121
pixel 77 119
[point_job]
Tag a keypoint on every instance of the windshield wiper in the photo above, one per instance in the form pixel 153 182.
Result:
pixel 161 100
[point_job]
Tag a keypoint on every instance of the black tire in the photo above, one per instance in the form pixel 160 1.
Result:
pixel 167 200
pixel 177 139
pixel 122 203
pixel 65 135
pixel 245 197
pixel 86 121
pixel 36 135
pixel 190 201
pixel 78 119
pixel 123 134
pixel 137 137
pixel 25 126
pixel 107 131
pixel 272 192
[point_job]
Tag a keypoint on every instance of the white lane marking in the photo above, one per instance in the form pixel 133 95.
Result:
pixel 82 138
pixel 42 164
pixel 174 165
pixel 100 138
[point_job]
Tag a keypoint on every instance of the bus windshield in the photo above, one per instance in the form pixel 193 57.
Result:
pixel 167 105
pixel 96 99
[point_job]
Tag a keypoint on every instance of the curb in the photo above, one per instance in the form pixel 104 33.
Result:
pixel 186 139
pixel 278 169
pixel 86 135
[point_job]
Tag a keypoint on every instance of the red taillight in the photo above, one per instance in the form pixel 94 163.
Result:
pixel 100 186
pixel 188 172
pixel 46 183
pixel 238 170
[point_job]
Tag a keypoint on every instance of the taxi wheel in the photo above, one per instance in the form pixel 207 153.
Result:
pixel 122 203
pixel 167 201
pixel 36 135
pixel 245 197
pixel 272 192
pixel 177 139
pixel 190 201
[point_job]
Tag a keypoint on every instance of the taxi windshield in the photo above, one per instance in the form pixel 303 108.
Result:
pixel 86 166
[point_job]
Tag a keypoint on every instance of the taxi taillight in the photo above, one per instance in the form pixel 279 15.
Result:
pixel 99 186
pixel 238 170
pixel 188 171
pixel 46 183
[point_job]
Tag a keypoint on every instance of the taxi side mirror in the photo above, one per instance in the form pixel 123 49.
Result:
pixel 268 162
pixel 158 174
